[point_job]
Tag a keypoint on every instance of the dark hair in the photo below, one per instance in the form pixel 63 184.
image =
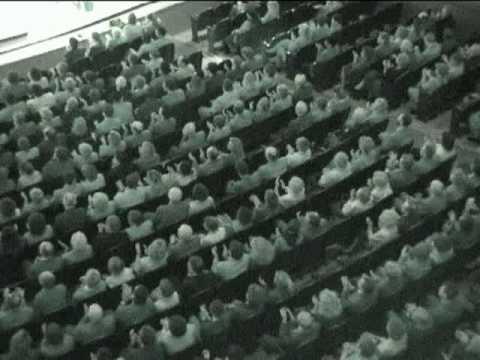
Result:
pixel 177 325
pixel 216 307
pixel 196 263
pixel 212 67
pixel 13 77
pixel 165 68
pixel 132 19
pixel 27 167
pixel 244 215
pixel 211 223
pixel 140 295
pixel 448 140
pixel 105 353
pixel 10 240
pixel 166 287
pixel 131 181
pixel 37 223
pixel 227 85
pixel 236 352
pixel 35 74
pixel 73 43
pixel 147 335
pixel 242 168
pixel 133 59
pixel 37 90
pixel 185 167
pixel 108 109
pixel 236 249
pixel 7 207
pixel 171 84
pixel 62 153
pixel 200 192
pixel 54 334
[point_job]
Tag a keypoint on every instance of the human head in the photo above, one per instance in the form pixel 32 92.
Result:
pixel 47 280
pixel 147 336
pixel 69 201
pixel 177 325
pixel 271 199
pixel 184 232
pixel 271 153
pixel 200 192
pixel 296 185
pixel 388 218
pixel 78 241
pixel 396 329
pixel 436 188
pixel 367 346
pixel 92 278
pixel 115 265
pixel 244 215
pixel 236 249
pixel 175 195
pixel 53 334
pixel 340 160
pixel 301 109
pixel 94 313
pixel 36 223
pixel 195 264
pixel 140 295
pixel 113 224
pixel 380 179
pixel 166 288
pixel 8 208
pixel 157 249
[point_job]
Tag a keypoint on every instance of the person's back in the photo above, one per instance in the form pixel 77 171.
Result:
pixel 49 300
pixel 87 331
pixel 128 315
pixel 171 213
pixel 13 318
pixel 231 268
pixel 52 263
pixel 71 220
pixel 174 344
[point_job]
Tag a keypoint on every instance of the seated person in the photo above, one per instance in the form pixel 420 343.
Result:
pixel 177 334
pixel 359 299
pixel 415 261
pixel 47 260
pixel 327 307
pixel 165 296
pixel 366 154
pixel 295 191
pixel 95 324
pixel 138 226
pixel 390 279
pixel 79 251
pixel 155 257
pixel 275 166
pixel 15 312
pixel 118 273
pixel 215 232
pixel 135 308
pixel 51 297
pixel 387 228
pixel 400 136
pixel 235 262
pixel 359 202
pixel 337 171
pixel 175 211
pixel 301 153
pixel 90 284
pixel 428 161
pixel 380 186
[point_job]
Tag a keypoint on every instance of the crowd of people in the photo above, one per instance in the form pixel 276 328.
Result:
pixel 103 192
